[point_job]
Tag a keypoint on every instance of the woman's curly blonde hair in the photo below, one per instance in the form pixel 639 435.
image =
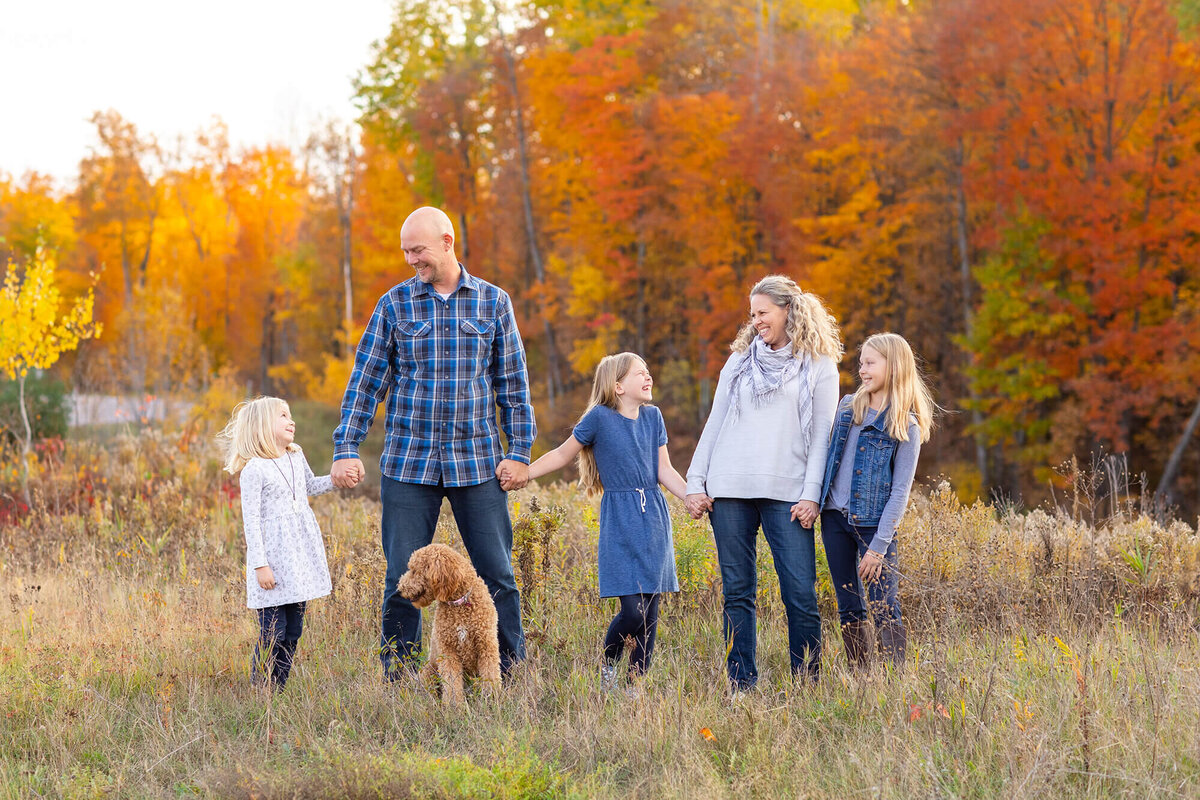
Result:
pixel 810 326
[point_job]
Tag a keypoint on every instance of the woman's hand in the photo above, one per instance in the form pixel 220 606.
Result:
pixel 806 511
pixel 698 503
pixel 266 577
pixel 870 566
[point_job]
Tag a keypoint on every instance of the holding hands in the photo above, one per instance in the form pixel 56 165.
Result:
pixel 347 473
pixel 698 504
pixel 806 512
pixel 513 475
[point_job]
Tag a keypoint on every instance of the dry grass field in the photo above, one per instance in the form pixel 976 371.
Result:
pixel 1052 653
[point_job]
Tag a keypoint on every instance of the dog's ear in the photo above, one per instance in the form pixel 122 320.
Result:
pixel 461 575
pixel 437 573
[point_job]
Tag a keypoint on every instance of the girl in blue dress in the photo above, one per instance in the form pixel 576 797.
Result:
pixel 621 443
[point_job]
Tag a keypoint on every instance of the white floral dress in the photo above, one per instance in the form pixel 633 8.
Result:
pixel 281 531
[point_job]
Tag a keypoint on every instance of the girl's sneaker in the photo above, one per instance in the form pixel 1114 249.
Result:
pixel 608 677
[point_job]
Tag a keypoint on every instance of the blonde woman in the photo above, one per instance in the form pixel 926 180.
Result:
pixel 863 497
pixel 759 464
pixel 621 443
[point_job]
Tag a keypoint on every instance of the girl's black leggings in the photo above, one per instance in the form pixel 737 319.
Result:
pixel 638 620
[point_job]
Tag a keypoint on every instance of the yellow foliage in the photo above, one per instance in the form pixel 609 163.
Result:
pixel 33 332
pixel 330 385
pixel 224 392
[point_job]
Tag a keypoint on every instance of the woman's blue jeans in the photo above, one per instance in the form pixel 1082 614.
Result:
pixel 735 524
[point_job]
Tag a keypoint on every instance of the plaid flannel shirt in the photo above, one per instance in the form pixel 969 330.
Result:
pixel 445 366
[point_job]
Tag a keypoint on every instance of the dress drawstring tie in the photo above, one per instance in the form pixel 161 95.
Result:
pixel 642 498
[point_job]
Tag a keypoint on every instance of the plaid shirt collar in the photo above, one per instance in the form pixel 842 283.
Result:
pixel 465 281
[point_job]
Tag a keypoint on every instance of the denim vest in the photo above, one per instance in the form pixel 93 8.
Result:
pixel 871 485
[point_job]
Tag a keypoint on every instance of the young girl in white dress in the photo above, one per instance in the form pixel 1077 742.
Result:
pixel 285 557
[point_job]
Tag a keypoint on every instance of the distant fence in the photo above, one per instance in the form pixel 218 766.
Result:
pixel 100 409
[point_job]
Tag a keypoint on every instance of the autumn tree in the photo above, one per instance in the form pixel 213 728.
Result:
pixel 36 329
pixel 119 204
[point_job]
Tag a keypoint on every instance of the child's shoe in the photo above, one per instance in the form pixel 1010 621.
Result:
pixel 608 677
pixel 740 692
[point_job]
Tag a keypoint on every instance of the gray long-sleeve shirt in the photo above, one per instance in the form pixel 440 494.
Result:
pixel 904 469
pixel 763 453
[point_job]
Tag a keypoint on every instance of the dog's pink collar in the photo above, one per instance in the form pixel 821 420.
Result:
pixel 465 600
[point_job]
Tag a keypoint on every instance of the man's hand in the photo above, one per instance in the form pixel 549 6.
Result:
pixel 347 472
pixel 512 474
pixel 698 503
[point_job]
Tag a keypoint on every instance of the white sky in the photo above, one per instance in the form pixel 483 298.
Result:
pixel 271 70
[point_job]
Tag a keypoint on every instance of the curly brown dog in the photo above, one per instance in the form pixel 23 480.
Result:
pixel 464 624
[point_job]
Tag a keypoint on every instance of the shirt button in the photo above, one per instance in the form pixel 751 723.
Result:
pixel 858 472
pixel 862 448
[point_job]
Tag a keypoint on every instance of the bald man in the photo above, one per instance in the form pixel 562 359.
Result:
pixel 443 349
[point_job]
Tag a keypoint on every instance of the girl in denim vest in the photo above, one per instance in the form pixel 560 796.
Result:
pixel 873 451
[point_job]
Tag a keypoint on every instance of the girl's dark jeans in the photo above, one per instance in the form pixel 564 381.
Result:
pixel 278 635
pixel 845 544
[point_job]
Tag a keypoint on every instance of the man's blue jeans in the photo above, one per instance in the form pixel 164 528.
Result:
pixel 735 524
pixel 410 514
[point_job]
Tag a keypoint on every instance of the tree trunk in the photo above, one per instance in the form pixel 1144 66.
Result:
pixel 27 442
pixel 1172 469
pixel 345 215
pixel 640 310
pixel 553 376
pixel 964 267
pixel 266 346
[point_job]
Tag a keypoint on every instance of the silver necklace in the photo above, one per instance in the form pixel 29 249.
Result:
pixel 296 504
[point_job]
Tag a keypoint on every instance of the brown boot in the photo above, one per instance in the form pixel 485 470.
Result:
pixel 893 644
pixel 855 637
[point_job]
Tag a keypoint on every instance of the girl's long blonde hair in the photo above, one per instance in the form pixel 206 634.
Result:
pixel 250 433
pixel 907 392
pixel 609 371
pixel 810 326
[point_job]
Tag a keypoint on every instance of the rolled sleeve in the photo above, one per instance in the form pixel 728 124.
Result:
pixel 510 379
pixel 367 386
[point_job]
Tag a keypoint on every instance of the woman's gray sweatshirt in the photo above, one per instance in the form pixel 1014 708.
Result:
pixel 763 454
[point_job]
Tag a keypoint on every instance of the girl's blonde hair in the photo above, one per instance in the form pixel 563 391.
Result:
pixel 907 392
pixel 609 372
pixel 251 433
pixel 810 326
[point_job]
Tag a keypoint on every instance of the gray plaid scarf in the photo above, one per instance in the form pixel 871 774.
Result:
pixel 767 370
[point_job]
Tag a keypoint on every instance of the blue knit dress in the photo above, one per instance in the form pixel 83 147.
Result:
pixel 636 553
